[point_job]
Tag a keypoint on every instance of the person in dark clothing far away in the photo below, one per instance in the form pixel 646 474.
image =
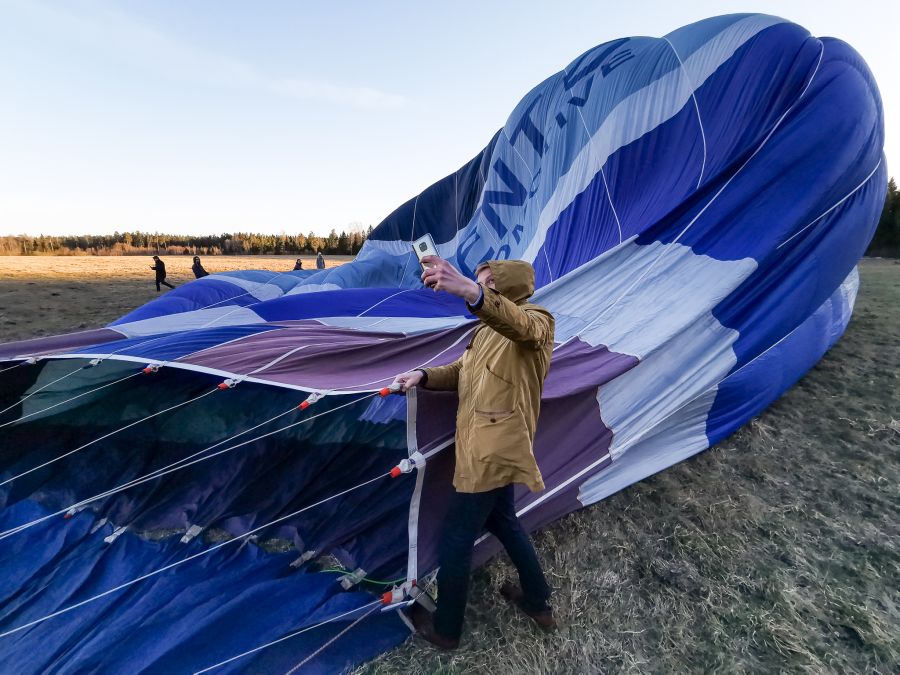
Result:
pixel 298 265
pixel 160 268
pixel 499 380
pixel 197 268
pixel 320 261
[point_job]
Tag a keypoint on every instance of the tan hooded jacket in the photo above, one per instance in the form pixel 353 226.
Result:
pixel 500 378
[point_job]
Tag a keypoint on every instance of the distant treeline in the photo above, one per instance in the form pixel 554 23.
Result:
pixel 144 243
pixel 887 237
pixel 885 243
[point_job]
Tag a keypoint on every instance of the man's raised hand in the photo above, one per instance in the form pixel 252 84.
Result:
pixel 440 275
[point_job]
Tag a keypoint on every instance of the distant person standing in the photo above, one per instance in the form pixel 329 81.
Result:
pixel 298 265
pixel 320 261
pixel 160 268
pixel 197 269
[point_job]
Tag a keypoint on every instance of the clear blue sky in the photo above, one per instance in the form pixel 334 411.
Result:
pixel 213 116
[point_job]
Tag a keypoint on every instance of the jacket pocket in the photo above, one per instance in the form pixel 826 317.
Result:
pixel 496 393
pixel 500 437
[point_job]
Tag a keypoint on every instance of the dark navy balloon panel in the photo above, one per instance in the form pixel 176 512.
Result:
pixel 694 206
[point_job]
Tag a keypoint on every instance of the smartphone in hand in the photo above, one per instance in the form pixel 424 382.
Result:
pixel 424 246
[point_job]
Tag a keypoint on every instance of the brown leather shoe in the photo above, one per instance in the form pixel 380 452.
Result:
pixel 543 618
pixel 423 622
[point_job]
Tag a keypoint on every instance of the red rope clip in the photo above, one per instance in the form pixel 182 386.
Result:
pixel 398 594
pixel 390 597
pixel 151 368
pixel 405 466
pixel 387 391
pixel 312 398
pixel 227 384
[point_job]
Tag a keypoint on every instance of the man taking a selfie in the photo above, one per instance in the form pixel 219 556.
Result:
pixel 499 378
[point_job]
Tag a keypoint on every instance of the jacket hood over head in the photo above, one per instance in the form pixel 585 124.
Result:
pixel 514 279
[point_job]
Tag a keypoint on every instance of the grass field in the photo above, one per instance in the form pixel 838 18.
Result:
pixel 48 295
pixel 775 551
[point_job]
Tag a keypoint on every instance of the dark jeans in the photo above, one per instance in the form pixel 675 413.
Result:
pixel 164 283
pixel 468 515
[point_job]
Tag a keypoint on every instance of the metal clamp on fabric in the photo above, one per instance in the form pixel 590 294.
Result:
pixel 350 580
pixel 415 461
pixel 192 532
pixel 94 362
pixel 307 555
pixel 31 361
pixel 152 368
pixel 100 523
pixel 314 397
pixel 118 532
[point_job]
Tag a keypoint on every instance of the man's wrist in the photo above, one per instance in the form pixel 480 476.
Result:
pixel 475 297
pixel 473 293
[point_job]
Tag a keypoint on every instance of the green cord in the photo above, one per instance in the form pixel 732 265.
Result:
pixel 371 581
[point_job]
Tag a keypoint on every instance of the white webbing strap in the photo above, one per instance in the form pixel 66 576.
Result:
pixel 418 460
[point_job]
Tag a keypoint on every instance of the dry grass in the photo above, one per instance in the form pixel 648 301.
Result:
pixel 48 295
pixel 777 550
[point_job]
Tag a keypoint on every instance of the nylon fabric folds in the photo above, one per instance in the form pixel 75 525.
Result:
pixel 694 207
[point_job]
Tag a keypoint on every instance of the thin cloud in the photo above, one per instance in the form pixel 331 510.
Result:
pixel 358 97
pixel 127 39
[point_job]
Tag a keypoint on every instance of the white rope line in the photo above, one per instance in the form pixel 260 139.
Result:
pixel 234 297
pixel 37 391
pixel 837 204
pixel 456 199
pixel 289 352
pixel 518 154
pixel 99 361
pixel 143 343
pixel 206 325
pixel 358 620
pixel 140 479
pixel 252 304
pixel 410 254
pixel 696 107
pixel 68 400
pixel 638 437
pixel 549 267
pixel 177 466
pixel 373 605
pixel 105 436
pixel 185 461
pixel 20 363
pixel 707 205
pixel 590 143
pixel 405 290
pixel 190 557
pixel 350 388
pixel 151 340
